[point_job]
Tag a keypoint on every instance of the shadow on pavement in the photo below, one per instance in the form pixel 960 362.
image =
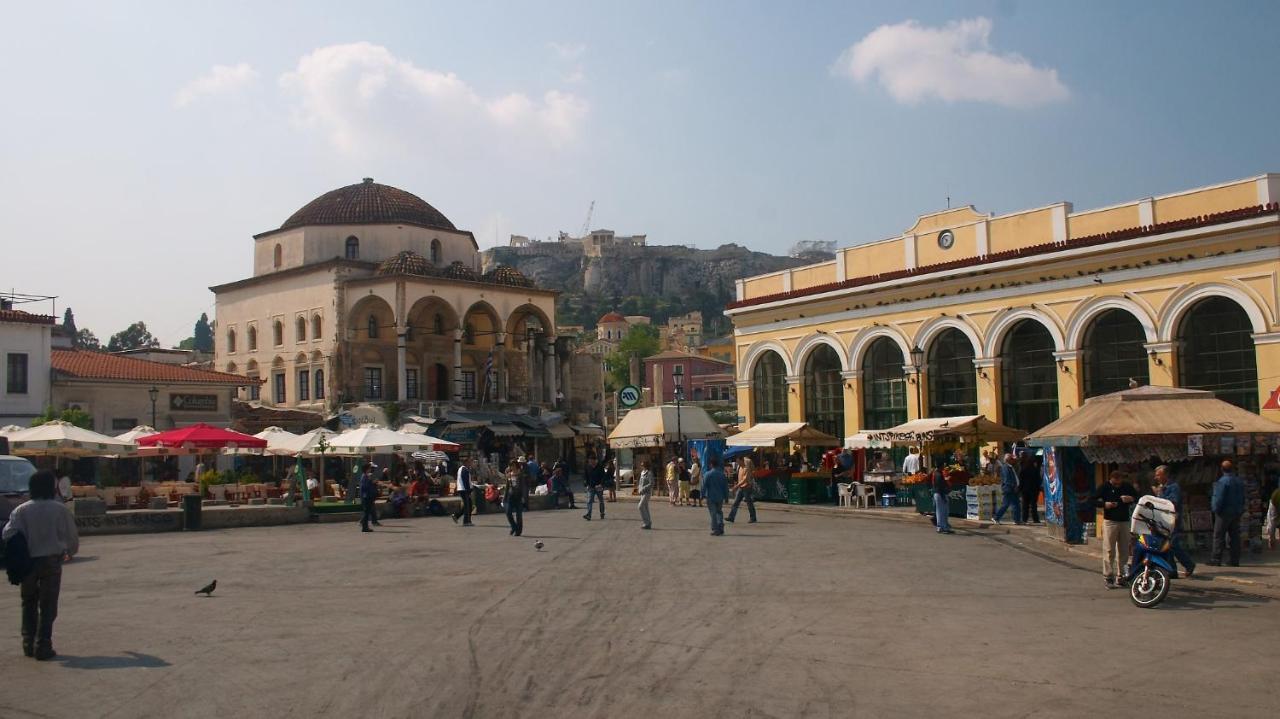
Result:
pixel 1209 599
pixel 130 660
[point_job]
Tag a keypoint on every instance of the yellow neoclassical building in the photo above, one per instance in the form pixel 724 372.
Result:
pixel 1023 316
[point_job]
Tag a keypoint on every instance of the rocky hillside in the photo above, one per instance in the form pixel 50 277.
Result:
pixel 658 281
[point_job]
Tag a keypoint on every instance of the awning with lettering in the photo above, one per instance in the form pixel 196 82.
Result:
pixel 1151 415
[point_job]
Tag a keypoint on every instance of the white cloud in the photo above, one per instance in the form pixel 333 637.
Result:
pixel 220 80
pixel 952 63
pixel 361 96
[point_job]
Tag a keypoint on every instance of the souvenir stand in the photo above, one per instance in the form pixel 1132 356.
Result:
pixel 954 438
pixel 778 482
pixel 1135 430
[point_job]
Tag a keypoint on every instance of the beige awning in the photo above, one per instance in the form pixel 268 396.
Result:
pixel 63 439
pixel 588 430
pixel 1147 415
pixel 560 431
pixel 972 428
pixel 657 426
pixel 770 434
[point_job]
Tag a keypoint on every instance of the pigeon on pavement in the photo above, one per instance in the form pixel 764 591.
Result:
pixel 208 589
pixel 538 545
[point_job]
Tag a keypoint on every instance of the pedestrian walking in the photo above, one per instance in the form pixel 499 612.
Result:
pixel 645 487
pixel 368 499
pixel 595 487
pixel 673 480
pixel 1228 506
pixel 517 491
pixel 1009 490
pixel 49 529
pixel 716 490
pixel 941 505
pixel 1029 488
pixel 560 486
pixel 695 483
pixel 744 489
pixel 463 489
pixel 611 479
pixel 1114 498
pixel 1167 488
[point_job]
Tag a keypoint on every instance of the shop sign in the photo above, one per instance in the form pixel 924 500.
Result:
pixel 193 402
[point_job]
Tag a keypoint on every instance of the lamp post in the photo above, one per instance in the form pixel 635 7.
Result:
pixel 917 358
pixel 154 393
pixel 677 376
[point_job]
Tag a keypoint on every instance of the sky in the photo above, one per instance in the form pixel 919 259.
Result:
pixel 142 145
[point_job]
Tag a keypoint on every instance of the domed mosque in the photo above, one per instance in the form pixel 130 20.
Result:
pixel 369 294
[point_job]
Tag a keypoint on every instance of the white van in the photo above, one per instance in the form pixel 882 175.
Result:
pixel 15 480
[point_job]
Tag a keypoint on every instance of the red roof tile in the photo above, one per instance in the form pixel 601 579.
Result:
pixel 26 317
pixel 611 317
pixel 83 364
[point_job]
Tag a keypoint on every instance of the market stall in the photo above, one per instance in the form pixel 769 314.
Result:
pixel 1134 430
pixel 955 442
pixel 776 480
pixel 656 433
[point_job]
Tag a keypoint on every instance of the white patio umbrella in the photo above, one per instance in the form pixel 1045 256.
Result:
pixel 372 439
pixel 63 439
pixel 308 443
pixel 279 442
pixel 134 435
pixel 10 429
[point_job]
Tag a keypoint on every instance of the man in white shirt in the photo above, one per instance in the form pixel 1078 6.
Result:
pixel 464 490
pixel 49 529
pixel 912 464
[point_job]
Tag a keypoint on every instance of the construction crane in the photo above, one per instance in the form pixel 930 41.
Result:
pixel 586 226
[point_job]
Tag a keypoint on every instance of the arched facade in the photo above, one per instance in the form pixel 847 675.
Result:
pixel 823 389
pixel 769 387
pixel 1113 352
pixel 884 387
pixel 1029 375
pixel 1215 350
pixel 950 374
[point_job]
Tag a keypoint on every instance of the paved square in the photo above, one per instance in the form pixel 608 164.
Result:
pixel 798 615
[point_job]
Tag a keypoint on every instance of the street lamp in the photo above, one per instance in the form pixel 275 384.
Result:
pixel 917 359
pixel 677 375
pixel 153 393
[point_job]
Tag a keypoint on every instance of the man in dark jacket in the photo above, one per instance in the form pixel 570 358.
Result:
pixel 941 506
pixel 595 486
pixel 1228 506
pixel 1115 498
pixel 1029 488
pixel 368 498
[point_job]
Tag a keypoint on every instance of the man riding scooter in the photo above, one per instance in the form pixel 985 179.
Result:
pixel 1153 524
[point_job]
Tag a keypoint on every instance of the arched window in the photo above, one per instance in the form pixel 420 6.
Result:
pixel 953 385
pixel 319 380
pixel 277 333
pixel 437 324
pixel 884 388
pixel 300 328
pixel 253 338
pixel 823 392
pixel 231 341
pixel 316 325
pixel 1216 353
pixel 353 248
pixel 277 256
pixel 1113 353
pixel 435 252
pixel 1030 377
pixel 769 388
pixel 373 326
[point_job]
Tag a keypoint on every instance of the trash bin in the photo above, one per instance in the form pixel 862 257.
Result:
pixel 191 504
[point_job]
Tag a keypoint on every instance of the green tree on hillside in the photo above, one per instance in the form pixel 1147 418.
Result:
pixel 641 341
pixel 86 340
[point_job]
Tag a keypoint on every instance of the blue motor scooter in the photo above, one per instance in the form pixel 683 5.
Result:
pixel 1154 521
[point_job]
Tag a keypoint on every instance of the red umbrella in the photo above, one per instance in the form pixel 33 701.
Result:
pixel 202 436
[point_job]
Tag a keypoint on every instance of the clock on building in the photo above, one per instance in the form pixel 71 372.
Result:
pixel 946 239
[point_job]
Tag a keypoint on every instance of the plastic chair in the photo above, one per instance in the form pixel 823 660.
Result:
pixel 845 492
pixel 865 494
